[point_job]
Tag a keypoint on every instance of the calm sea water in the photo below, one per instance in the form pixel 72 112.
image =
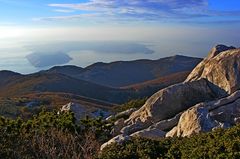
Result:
pixel 17 64
pixel 13 56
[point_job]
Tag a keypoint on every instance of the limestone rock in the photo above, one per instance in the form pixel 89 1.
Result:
pixel 167 124
pixel 149 133
pixel 208 116
pixel 109 117
pixel 197 71
pixel 117 139
pixel 218 49
pixel 170 101
pixel 125 113
pixel 221 67
pixel 100 113
pixel 193 121
pixel 204 102
pixel 173 132
pixel 78 110
pixel 122 114
pixel 118 125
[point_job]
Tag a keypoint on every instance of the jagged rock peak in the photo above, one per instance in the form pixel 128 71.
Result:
pixel 221 69
pixel 198 70
pixel 218 49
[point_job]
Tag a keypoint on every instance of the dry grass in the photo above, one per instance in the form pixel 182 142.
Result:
pixel 161 81
pixel 53 144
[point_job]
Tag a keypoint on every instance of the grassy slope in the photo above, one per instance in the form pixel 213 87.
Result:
pixel 59 83
pixel 56 83
pixel 124 73
pixel 160 82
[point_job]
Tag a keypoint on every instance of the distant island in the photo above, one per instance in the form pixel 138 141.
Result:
pixel 43 59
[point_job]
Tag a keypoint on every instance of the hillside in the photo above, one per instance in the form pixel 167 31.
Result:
pixel 125 73
pixel 7 76
pixel 59 99
pixel 26 106
pixel 160 82
pixel 69 70
pixel 145 76
pixel 59 83
pixel 44 82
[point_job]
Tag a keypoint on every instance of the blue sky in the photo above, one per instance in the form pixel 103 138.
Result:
pixel 82 12
pixel 168 27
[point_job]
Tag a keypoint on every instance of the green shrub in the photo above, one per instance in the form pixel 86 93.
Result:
pixel 135 103
pixel 52 135
pixel 219 144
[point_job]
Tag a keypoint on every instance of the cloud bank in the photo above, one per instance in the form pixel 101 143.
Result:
pixel 135 9
pixel 141 10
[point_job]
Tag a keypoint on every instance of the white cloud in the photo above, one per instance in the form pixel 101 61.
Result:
pixel 70 17
pixel 139 9
pixel 142 10
pixel 63 10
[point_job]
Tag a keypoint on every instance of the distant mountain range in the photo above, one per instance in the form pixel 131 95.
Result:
pixel 125 73
pixel 114 82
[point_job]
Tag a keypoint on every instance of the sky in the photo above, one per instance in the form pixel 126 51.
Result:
pixel 166 27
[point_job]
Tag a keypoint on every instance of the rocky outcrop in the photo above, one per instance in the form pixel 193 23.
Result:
pixel 162 111
pixel 170 101
pixel 117 139
pixel 118 125
pixel 78 110
pixel 149 133
pixel 81 111
pixel 122 114
pixel 193 121
pixel 166 125
pixel 221 67
pixel 208 116
pixel 208 99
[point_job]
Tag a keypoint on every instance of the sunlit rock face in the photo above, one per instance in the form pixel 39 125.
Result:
pixel 221 67
pixel 208 99
pixel 170 101
pixel 204 117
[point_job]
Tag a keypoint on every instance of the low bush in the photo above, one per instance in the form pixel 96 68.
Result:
pixel 52 135
pixel 135 103
pixel 219 144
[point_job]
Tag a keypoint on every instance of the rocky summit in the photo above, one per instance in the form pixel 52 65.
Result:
pixel 221 67
pixel 206 100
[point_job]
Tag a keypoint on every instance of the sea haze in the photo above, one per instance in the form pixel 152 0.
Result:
pixel 39 56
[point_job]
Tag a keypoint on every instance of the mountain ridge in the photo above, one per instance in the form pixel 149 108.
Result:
pixel 66 79
pixel 124 73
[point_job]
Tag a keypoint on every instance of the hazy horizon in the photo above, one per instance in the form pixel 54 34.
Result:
pixel 130 30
